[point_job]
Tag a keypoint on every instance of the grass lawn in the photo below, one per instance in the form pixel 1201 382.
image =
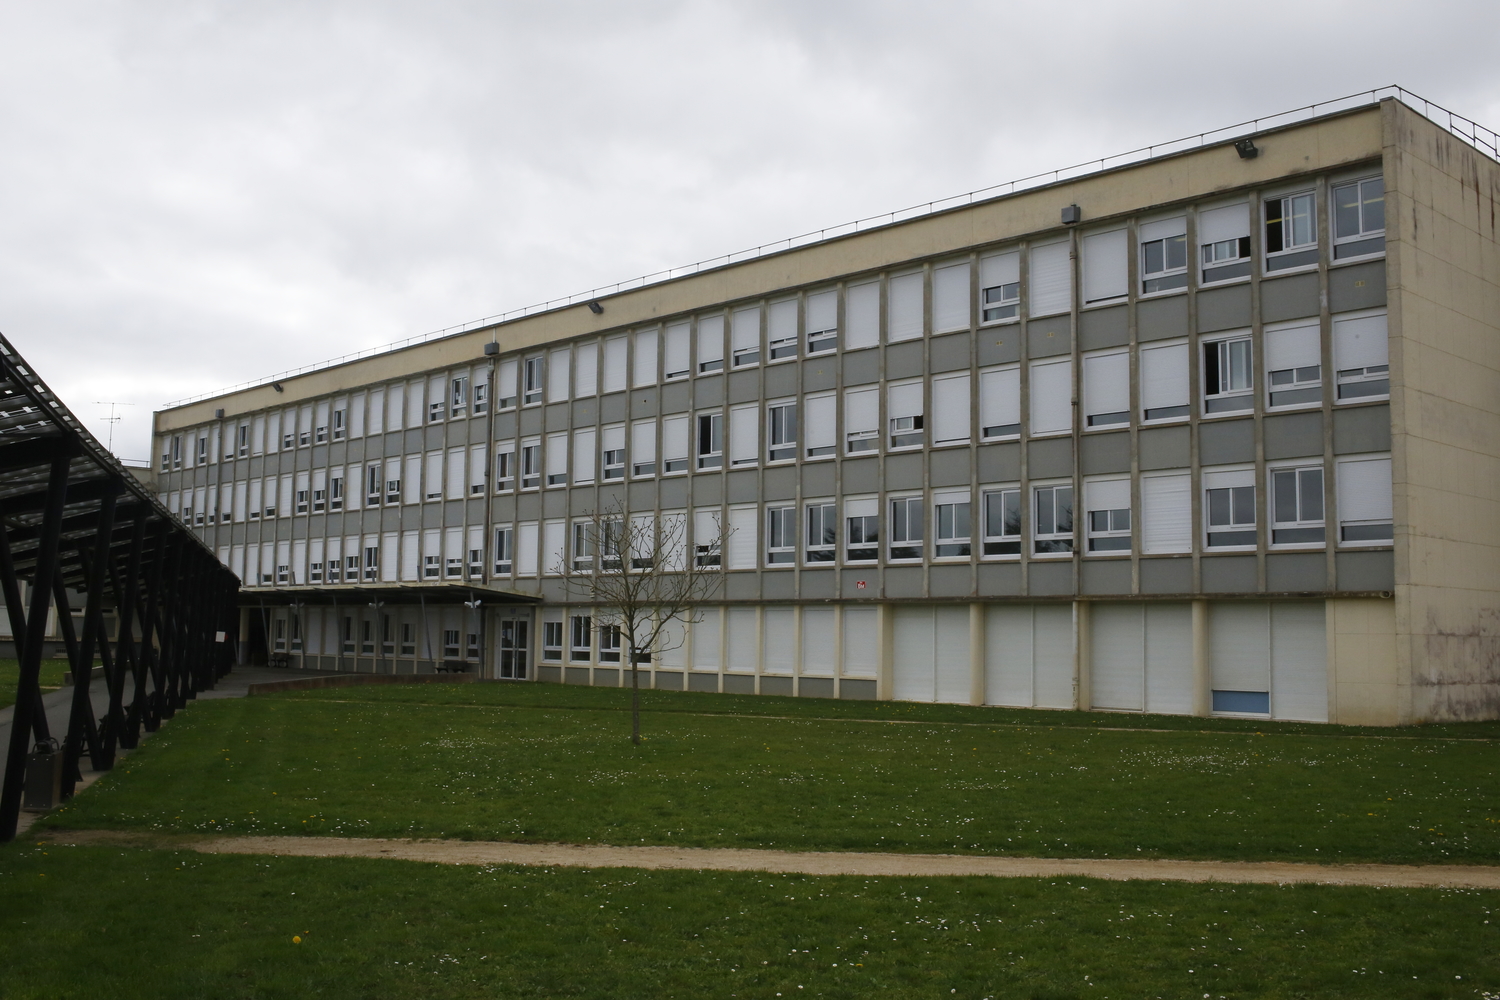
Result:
pixel 10 672
pixel 398 761
pixel 113 922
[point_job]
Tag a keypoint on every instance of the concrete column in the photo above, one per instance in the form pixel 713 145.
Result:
pixel 885 622
pixel 1202 674
pixel 976 654
pixel 243 648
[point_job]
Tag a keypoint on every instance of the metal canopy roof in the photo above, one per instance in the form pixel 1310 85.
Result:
pixel 359 594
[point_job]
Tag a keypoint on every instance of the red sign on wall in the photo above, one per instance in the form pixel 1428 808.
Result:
pixel 860 584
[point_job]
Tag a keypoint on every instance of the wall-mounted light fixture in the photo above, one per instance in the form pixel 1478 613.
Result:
pixel 492 348
pixel 1072 215
pixel 595 308
pixel 278 387
pixel 219 413
pixel 1246 149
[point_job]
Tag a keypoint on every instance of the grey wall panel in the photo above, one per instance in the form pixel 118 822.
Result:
pixel 616 495
pixel 819 373
pixel 999 463
pixel 1294 297
pixel 1165 447
pixel 780 686
pixel 999 579
pixel 781 379
pixel 586 498
pixel 609 677
pixel 412 440
pixel 643 403
pixel 1103 328
pixel 1364 571
pixel 818 584
pixel 703 682
pixel 554 504
pixel 778 484
pixel 949 467
pixel 815 687
pixel 999 344
pixel 432 514
pixel 1358 286
pixel 856 690
pixel 742 486
pixel 614 407
pixel 585 411
pixel 642 498
pixel 668 680
pixel 861 475
pixel 676 397
pixel 1229 575
pixel 778 585
pixel 433 436
pixel 1161 319
pixel 577 675
pixel 903 581
pixel 850 579
pixel 531 423
pixel 673 492
pixel 861 367
pixel 453 514
pixel 1105 453
pixel 817 479
pixel 708 391
pixel 1167 576
pixel 745 386
pixel 1106 576
pixel 1049 458
pixel 1293 435
pixel 477 433
pixel 902 472
pixel 949 353
pixel 742 586
pixel 950 581
pixel 338 452
pixel 1224 308
pixel 1296 572
pixel 554 590
pixel 549 675
pixel 557 416
pixel 1361 428
pixel 1045 337
pixel 903 360
pixel 739 684
pixel 505 426
pixel 708 490
pixel 528 506
pixel 1221 442
pixel 1050 578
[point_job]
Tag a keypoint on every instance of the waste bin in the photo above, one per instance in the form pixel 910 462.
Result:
pixel 44 769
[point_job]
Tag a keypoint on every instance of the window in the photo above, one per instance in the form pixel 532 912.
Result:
pixel 822 321
pixel 531 466
pixel 1163 255
pixel 534 382
pixel 282 573
pixel 744 435
pixel 1054 519
pixel 437 408
pixel 862 420
pixel 644 363
pixel 336 493
pixel 432 567
pixel 950 298
pixel 950 409
pixel 552 640
pixel 557 459
pixel 1000 403
pixel 1291 231
pixel 408 639
pixel 1361 356
pixel 458 395
pixel 1002 522
pixel 351 568
pixel 481 397
pixel 675 359
pixel 450 643
pixel 1359 218
pixel 1229 508
pixel 280 634
pixel 674 445
pixel 1227 379
pixel 745 333
pixel 505 384
pixel 904 307
pixel 1364 494
pixel 585 453
pixel 583 546
pixel 1224 242
pixel 607 538
pixel 781 431
pixel 1051 279
pixel 1164 382
pixel 557 375
pixel 612 448
pixel 302 496
pixel 434 476
pixel 609 643
pixel 1294 371
pixel 335 567
pixel 820 426
pixel 1297 505
pixel 585 370
pixel 372 561
pixel 1167 513
pixel 710 344
pixel 781 329
pixel 1106 389
pixel 862 520
pixel 315 572
pixel 1051 397
pixel 505 469
pixel 999 287
pixel 906 528
pixel 710 440
pixel 581 639
pixel 504 550
pixel 904 405
pixel 476 562
pixel 781 535
pixel 706 541
pixel 862 315
pixel 174 452
pixel 822 532
pixel 1104 266
pixel 643 447
pixel 1107 502
pixel 242 439
pixel 643 541
pixel 950 522
pixel 202 457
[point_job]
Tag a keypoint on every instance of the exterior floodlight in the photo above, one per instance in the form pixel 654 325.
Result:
pixel 1246 149
pixel 595 308
pixel 1072 215
pixel 277 386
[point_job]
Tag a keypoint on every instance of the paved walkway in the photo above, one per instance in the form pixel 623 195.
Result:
pixel 471 852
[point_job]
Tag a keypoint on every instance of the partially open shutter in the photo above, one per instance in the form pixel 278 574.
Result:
pixel 1104 266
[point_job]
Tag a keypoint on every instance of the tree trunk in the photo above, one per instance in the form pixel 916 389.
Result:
pixel 635 699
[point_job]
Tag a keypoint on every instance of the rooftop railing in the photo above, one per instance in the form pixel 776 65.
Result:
pixel 1476 135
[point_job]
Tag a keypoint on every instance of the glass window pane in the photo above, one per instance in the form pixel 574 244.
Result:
pixel 1176 252
pixel 1244 504
pixel 1064 509
pixel 1373 193
pixel 1284 495
pixel 1310 482
pixel 1346 210
pixel 1045 522
pixel 1218 507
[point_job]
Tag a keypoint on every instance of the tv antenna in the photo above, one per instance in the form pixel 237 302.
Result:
pixel 112 419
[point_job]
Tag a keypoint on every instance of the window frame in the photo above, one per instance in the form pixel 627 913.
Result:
pixel 1112 531
pixel 866 542
pixel 1170 278
pixel 1301 382
pixel 1352 245
pixel 781 535
pixel 955 517
pixel 533 380
pixel 1247 394
pixel 1298 470
pixel 580 627
pixel 713 458
pixel 1296 256
pixel 821 540
pixel 552 641
pixel 1007 544
pixel 912 514
pixel 785 449
pixel 505 546
pixel 1236 497
pixel 1054 544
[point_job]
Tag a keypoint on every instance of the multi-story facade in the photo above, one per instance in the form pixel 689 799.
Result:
pixel 1212 432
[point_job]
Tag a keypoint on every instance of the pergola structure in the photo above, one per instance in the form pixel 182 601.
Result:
pixel 72 517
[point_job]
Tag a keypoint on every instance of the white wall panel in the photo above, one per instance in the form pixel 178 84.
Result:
pixel 741 641
pixel 818 642
pixel 861 642
pixel 1053 645
pixel 1299 661
pixel 1239 645
pixel 1008 655
pixel 913 673
pixel 778 640
pixel 1119 656
pixel 951 653
pixel 1169 658
pixel 706 639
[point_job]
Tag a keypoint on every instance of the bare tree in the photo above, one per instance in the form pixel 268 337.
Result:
pixel 637 572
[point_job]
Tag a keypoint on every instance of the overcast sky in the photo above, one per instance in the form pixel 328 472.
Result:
pixel 198 194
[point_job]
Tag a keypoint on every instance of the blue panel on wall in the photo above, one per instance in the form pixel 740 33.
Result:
pixel 1243 702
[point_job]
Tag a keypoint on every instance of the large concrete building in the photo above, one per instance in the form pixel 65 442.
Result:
pixel 1212 431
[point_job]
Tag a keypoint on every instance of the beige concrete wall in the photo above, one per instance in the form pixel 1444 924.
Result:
pixel 1364 683
pixel 1443 274
pixel 1347 138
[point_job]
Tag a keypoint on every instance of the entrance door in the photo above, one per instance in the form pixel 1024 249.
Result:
pixel 513 648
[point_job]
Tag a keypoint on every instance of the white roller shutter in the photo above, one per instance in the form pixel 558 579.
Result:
pixel 1104 266
pixel 706 526
pixel 1364 489
pixel 554 549
pixel 778 641
pixel 710 339
pixel 478 469
pixel 557 458
pixel 411 557
pixel 861 642
pixel 904 400
pixel 1106 494
pixel 913 669
pixel 239 505
pixel 432 483
pixel 414 415
pixel 389 556
pixel 1051 397
pixel 612 438
pixel 1239 645
pixel 1167 513
pixel 744 539
pixel 1292 347
pixel 284 498
pixel 823 311
pixel 741 641
pixel 669 650
pixel 862 315
pixel 951 656
pixel 586 372
pixel 674 440
pixel 645 358
pixel 506 387
pixel 1299 661
pixel 1053 644
pixel 904 307
pixel 557 376
pixel 745 329
pixel 744 435
pixel 432 545
pixel 1164 377
pixel 707 639
pixel 817 642
pixel 643 442
pixel 1230 222
pixel 1000 400
pixel 1008 655
pixel 1169 658
pixel 820 423
pixel 614 364
pixel 950 404
pixel 1051 280
pixel 676 363
pixel 1106 385
pixel 411 484
pixel 1162 229
pixel 1000 269
pixel 674 540
pixel 861 411
pixel 1360 341
pixel 950 298
pixel 861 507
pixel 457 482
pixel 584 451
pixel 299 562
pixel 781 320
pixel 1119 656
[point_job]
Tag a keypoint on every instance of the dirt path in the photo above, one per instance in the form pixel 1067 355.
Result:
pixel 471 852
